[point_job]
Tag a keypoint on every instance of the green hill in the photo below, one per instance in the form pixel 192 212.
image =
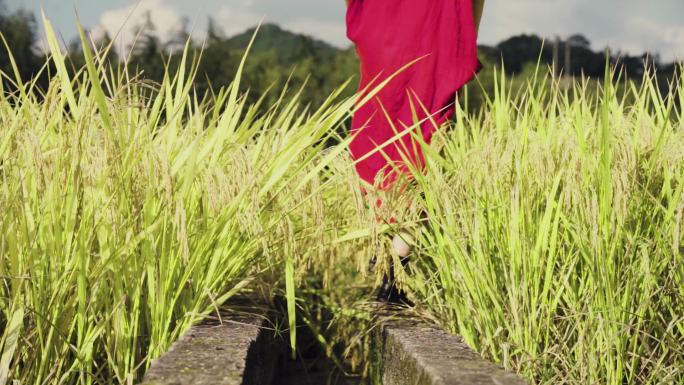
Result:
pixel 285 44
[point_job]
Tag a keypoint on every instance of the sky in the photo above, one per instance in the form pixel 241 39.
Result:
pixel 631 26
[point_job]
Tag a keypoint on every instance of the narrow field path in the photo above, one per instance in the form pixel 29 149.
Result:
pixel 312 371
pixel 242 349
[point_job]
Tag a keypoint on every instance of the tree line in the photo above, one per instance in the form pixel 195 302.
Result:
pixel 279 57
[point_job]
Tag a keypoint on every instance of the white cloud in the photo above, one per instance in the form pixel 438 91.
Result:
pixel 658 37
pixel 126 22
pixel 234 19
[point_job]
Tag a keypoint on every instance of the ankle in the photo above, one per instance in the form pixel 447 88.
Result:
pixel 402 244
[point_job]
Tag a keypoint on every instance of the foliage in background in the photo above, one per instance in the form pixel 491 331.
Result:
pixel 19 29
pixel 281 57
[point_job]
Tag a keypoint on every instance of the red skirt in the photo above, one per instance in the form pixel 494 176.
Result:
pixel 439 37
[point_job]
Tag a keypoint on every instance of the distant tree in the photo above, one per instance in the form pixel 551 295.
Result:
pixel 219 61
pixel 214 32
pixel 521 49
pixel 579 41
pixel 180 37
pixel 105 42
pixel 279 56
pixel 99 45
pixel 19 30
pixel 585 61
pixel 147 52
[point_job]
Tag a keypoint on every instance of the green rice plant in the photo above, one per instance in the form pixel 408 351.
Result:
pixel 554 237
pixel 130 210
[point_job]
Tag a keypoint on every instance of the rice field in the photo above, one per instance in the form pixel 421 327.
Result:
pixel 130 210
pixel 556 244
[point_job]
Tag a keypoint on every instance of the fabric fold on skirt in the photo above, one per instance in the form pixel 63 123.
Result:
pixel 440 38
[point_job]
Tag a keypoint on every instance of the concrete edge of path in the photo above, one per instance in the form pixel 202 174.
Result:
pixel 241 349
pixel 414 353
pixel 237 349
